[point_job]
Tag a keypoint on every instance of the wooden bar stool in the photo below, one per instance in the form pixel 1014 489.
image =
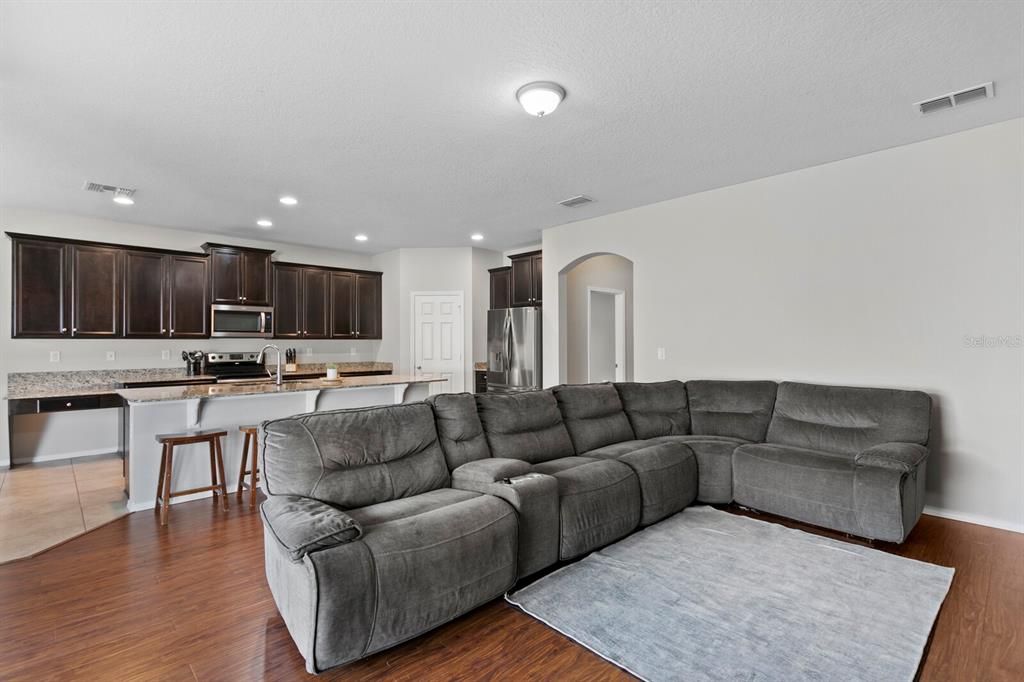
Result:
pixel 251 437
pixel 163 484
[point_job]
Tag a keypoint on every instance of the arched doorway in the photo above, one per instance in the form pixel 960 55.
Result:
pixel 595 311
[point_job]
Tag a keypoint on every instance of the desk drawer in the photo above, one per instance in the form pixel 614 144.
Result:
pixel 78 402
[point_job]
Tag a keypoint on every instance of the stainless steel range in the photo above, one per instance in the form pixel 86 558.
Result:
pixel 229 367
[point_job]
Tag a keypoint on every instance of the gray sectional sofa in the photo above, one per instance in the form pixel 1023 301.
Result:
pixel 383 523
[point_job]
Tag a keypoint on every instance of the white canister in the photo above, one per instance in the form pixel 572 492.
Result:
pixel 332 373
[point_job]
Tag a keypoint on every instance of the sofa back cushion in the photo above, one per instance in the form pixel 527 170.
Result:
pixel 593 415
pixel 459 428
pixel 738 409
pixel 655 409
pixel 353 458
pixel 526 426
pixel 848 420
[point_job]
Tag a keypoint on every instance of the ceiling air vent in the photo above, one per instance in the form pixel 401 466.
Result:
pixel 97 187
pixel 956 99
pixel 578 200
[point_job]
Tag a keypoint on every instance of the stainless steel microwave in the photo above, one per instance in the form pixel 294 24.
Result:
pixel 241 321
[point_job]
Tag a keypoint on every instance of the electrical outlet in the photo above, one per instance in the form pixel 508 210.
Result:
pixel 661 353
pixel 165 355
pixel 54 356
pixel 352 350
pixel 308 351
pixel 111 356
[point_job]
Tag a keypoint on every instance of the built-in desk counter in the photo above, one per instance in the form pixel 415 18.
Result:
pixel 174 409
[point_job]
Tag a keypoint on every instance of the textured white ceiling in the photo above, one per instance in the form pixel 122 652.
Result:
pixel 398 120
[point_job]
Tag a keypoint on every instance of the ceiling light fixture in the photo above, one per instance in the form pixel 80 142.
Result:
pixel 540 98
pixel 124 196
pixel 361 237
pixel 263 222
pixel 288 200
pixel 476 237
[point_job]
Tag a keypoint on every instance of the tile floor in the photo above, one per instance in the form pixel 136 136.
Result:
pixel 42 505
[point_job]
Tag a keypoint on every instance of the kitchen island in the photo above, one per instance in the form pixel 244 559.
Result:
pixel 176 409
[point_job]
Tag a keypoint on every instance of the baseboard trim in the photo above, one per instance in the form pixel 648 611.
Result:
pixel 67 455
pixel 143 506
pixel 976 519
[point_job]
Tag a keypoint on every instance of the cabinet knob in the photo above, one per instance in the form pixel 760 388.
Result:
pixel 74 330
pixel 67 404
pixel 63 330
pixel 163 331
pixel 172 331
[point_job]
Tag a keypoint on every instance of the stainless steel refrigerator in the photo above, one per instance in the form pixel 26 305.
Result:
pixel 513 349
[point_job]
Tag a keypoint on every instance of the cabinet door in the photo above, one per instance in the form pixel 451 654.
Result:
pixel 343 305
pixel 368 306
pixel 501 288
pixel 287 302
pixel 255 278
pixel 226 275
pixel 522 282
pixel 536 266
pixel 145 294
pixel 40 282
pixel 189 297
pixel 96 284
pixel 314 303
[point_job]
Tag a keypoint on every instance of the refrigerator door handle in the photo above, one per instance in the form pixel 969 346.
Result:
pixel 508 344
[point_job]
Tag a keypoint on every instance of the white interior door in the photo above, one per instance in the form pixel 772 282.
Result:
pixel 606 335
pixel 438 334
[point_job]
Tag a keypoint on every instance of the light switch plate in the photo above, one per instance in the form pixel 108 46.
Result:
pixel 54 356
pixel 111 356
pixel 661 353
pixel 165 355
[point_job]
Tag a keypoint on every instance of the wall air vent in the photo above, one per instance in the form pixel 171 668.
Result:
pixel 956 99
pixel 97 187
pixel 578 200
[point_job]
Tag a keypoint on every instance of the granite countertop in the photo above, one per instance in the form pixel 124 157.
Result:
pixel 479 366
pixel 166 393
pixel 32 385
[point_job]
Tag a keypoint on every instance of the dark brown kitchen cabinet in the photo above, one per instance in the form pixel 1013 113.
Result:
pixel 96 294
pixel 501 287
pixel 165 296
pixel 239 275
pixel 40 286
pixel 527 279
pixel 368 305
pixel 287 301
pixel 189 297
pixel 343 305
pixel 314 303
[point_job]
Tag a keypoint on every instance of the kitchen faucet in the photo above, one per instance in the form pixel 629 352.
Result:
pixel 263 351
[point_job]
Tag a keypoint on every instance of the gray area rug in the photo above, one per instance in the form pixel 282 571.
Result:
pixel 708 595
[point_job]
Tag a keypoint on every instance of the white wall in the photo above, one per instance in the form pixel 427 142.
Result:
pixel 879 270
pixel 607 271
pixel 96 430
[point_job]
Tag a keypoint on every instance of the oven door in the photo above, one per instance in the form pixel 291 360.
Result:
pixel 241 321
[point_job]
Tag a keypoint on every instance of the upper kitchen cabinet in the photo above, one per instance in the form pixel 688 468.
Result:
pixel 527 279
pixel 189 297
pixel 40 286
pixel 287 301
pixel 96 276
pixel 355 305
pixel 239 275
pixel 315 306
pixel 301 301
pixel 368 305
pixel 501 287
pixel 166 295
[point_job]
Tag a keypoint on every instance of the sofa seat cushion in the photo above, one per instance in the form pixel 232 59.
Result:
pixel 437 560
pixel 667 472
pixel 409 506
pixel 593 415
pixel 807 485
pixel 714 464
pixel 599 502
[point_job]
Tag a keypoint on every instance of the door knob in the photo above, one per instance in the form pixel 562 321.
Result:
pixel 419 366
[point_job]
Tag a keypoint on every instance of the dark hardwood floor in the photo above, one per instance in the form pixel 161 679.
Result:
pixel 134 601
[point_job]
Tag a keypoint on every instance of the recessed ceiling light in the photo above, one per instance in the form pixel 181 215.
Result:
pixel 124 197
pixel 263 222
pixel 288 200
pixel 361 237
pixel 540 98
pixel 476 237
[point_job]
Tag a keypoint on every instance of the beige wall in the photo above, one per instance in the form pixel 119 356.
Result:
pixel 879 270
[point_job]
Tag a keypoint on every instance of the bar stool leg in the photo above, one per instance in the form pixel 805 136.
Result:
pixel 213 471
pixel 167 485
pixel 241 471
pixel 160 477
pixel 220 470
pixel 252 477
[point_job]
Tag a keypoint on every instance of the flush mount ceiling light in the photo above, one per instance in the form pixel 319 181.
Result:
pixel 476 237
pixel 540 98
pixel 263 222
pixel 361 237
pixel 288 200
pixel 124 196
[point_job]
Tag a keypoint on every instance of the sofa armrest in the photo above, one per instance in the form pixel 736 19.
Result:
pixel 896 456
pixel 489 470
pixel 302 525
